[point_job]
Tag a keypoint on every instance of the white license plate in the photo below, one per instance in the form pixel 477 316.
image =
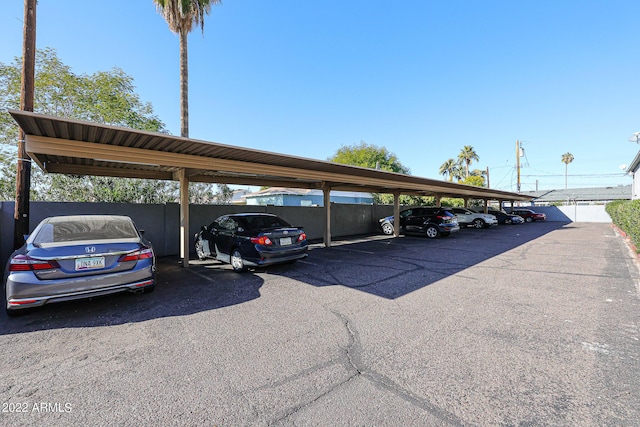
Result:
pixel 285 241
pixel 89 263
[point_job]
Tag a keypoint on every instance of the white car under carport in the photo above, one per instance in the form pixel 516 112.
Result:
pixel 467 217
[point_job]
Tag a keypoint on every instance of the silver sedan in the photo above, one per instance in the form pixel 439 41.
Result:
pixel 81 256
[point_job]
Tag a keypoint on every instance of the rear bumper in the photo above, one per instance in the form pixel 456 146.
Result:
pixel 27 302
pixel 448 228
pixel 273 257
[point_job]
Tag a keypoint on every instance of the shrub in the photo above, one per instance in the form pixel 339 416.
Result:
pixel 626 215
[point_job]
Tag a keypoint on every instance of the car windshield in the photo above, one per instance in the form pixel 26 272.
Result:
pixel 76 228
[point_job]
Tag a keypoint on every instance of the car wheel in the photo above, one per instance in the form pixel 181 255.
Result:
pixel 387 228
pixel 508 221
pixel 529 219
pixel 478 223
pixel 432 231
pixel 200 249
pixel 236 261
pixel 149 289
pixel 14 313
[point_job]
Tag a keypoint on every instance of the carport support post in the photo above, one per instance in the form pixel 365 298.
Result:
pixel 438 200
pixel 396 214
pixel 184 217
pixel 326 193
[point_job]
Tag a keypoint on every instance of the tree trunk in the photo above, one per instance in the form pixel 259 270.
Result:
pixel 184 86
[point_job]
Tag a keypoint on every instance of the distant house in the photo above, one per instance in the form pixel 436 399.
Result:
pixel 237 198
pixel 633 170
pixel 581 196
pixel 280 196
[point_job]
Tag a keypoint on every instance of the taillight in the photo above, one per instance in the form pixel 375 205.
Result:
pixel 302 237
pixel 143 253
pixel 261 240
pixel 26 263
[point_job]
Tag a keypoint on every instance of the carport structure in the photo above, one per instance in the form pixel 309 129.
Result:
pixel 60 145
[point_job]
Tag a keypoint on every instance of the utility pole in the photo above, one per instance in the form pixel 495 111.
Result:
pixel 23 175
pixel 518 162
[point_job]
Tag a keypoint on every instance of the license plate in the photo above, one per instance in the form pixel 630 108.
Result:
pixel 89 263
pixel 285 241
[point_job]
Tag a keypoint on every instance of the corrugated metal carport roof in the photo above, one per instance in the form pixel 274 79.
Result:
pixel 60 145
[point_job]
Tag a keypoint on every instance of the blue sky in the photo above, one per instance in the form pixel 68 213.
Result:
pixel 422 78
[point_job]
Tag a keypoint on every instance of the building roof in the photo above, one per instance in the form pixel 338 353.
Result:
pixel 635 163
pixel 60 145
pixel 621 192
pixel 272 191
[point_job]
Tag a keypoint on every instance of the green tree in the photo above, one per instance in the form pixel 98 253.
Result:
pixel 566 159
pixel 374 157
pixel 369 156
pixel 477 180
pixel 468 155
pixel 103 97
pixel 181 15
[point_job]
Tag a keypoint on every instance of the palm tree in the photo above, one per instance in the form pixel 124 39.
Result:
pixel 566 159
pixel 448 168
pixel 181 15
pixel 458 172
pixel 467 155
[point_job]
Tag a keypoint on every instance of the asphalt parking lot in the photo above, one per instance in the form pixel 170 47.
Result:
pixel 533 324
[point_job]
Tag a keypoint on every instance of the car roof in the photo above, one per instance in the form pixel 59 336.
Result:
pixel 80 218
pixel 244 214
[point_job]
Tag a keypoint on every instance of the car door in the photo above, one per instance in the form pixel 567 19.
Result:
pixel 225 234
pixel 464 216
pixel 415 220
pixel 208 240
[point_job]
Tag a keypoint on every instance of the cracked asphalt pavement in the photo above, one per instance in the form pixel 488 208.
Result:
pixel 534 324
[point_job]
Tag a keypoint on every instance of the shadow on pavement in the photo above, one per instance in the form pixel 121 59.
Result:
pixel 179 291
pixel 392 267
pixel 380 265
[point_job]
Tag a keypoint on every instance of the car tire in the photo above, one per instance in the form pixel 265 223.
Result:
pixel 432 231
pixel 387 228
pixel 200 250
pixel 478 223
pixel 508 221
pixel 14 313
pixel 149 289
pixel 528 219
pixel 237 263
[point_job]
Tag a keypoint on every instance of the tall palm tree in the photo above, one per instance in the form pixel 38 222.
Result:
pixel 181 15
pixel 566 159
pixel 458 172
pixel 467 155
pixel 448 168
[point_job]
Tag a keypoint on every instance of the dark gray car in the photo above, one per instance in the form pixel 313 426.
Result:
pixel 432 221
pixel 81 256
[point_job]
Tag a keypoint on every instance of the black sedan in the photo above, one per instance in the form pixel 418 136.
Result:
pixel 502 216
pixel 251 240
